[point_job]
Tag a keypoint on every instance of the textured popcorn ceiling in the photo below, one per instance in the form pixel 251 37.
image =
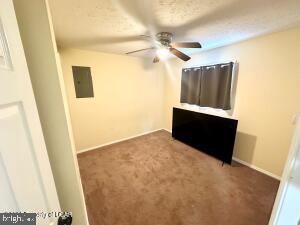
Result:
pixel 115 25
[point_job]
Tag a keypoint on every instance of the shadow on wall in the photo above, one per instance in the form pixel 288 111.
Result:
pixel 148 63
pixel 244 146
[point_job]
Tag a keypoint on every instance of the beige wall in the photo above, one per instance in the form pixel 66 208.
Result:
pixel 128 97
pixel 267 98
pixel 40 50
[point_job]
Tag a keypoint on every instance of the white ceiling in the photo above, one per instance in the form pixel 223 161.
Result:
pixel 115 25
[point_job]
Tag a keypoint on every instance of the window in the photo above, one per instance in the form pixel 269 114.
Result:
pixel 207 86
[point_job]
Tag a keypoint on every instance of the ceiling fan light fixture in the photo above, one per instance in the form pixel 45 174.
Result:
pixel 162 53
pixel 165 47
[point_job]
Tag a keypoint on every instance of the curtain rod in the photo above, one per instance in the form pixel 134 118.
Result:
pixel 211 64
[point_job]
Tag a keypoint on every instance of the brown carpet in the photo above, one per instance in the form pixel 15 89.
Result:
pixel 155 180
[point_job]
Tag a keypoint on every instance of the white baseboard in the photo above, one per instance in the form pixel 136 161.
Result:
pixel 167 130
pixel 117 141
pixel 257 168
pixel 149 132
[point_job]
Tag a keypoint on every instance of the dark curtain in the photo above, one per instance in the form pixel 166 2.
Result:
pixel 207 86
pixel 190 86
pixel 216 86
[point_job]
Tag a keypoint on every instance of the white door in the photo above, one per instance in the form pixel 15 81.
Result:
pixel 26 180
pixel 287 206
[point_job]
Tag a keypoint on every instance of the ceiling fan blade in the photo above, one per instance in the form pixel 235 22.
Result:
pixel 144 49
pixel 179 54
pixel 186 45
pixel 156 59
pixel 145 36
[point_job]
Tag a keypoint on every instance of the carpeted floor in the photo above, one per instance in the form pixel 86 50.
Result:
pixel 155 180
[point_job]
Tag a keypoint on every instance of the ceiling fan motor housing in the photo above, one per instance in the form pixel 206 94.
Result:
pixel 165 38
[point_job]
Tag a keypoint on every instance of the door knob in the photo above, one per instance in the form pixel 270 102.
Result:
pixel 65 220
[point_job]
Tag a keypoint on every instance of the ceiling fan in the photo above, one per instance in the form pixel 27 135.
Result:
pixel 165 46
